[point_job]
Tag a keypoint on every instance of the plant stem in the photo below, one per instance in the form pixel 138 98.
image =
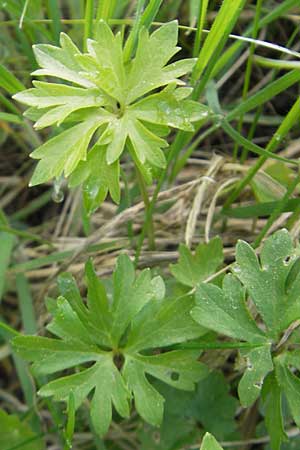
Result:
pixel 216 345
pixel 248 75
pixel 88 20
pixel 148 217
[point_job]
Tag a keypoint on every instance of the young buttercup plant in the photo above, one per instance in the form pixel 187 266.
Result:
pixel 272 282
pixel 119 338
pixel 114 101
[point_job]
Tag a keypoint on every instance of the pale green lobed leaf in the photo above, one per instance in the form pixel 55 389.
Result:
pixel 144 77
pixel 265 280
pixel 224 311
pixel 52 355
pixel 148 402
pixel 168 108
pixel 109 389
pixel 62 153
pixel 115 135
pixel 65 322
pixel 163 322
pixel 178 368
pixel 259 364
pixel 191 268
pixel 210 443
pixel 60 62
pixel 44 95
pixel 97 299
pixel 147 145
pixel 98 178
pixel 131 294
pixel 106 50
pixel 99 332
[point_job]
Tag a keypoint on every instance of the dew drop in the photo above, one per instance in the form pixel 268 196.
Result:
pixel 58 193
pixel 58 196
pixel 277 137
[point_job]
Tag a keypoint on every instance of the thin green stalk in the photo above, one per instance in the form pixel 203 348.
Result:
pixel 133 36
pixel 293 218
pixel 290 120
pixel 151 207
pixel 54 14
pixel 148 218
pixel 25 235
pixel 277 211
pixel 88 18
pixel 150 12
pixel 216 345
pixel 128 203
pixel 200 25
pixel 248 76
pixel 26 304
pixel 252 131
pixel 106 9
pixel 143 19
pixel 33 206
pixel 180 163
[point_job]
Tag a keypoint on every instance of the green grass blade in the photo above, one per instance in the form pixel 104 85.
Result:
pixel 244 142
pixel 133 35
pixel 260 209
pixel 277 63
pixel 277 211
pixel 106 9
pixel 217 37
pixel 7 243
pixel 54 15
pixel 291 119
pixel 12 118
pixel 231 53
pixel 200 25
pixel 248 73
pixel 26 304
pixel 264 95
pixel 9 82
pixel 88 18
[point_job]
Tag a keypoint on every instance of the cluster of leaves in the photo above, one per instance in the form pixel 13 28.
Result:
pixel 258 305
pixel 113 98
pixel 272 282
pixel 119 337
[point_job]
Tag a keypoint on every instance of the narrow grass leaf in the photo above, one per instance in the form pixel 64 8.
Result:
pixel 9 82
pixel 7 242
pixel 215 41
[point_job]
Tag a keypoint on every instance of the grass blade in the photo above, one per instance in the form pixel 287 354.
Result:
pixel 26 304
pixel 216 39
pixel 9 82
pixel 289 121
pixel 54 15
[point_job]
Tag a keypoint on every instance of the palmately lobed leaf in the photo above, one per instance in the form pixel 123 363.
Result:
pixel 265 279
pixel 112 334
pixel 272 282
pixel 191 269
pixel 112 102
